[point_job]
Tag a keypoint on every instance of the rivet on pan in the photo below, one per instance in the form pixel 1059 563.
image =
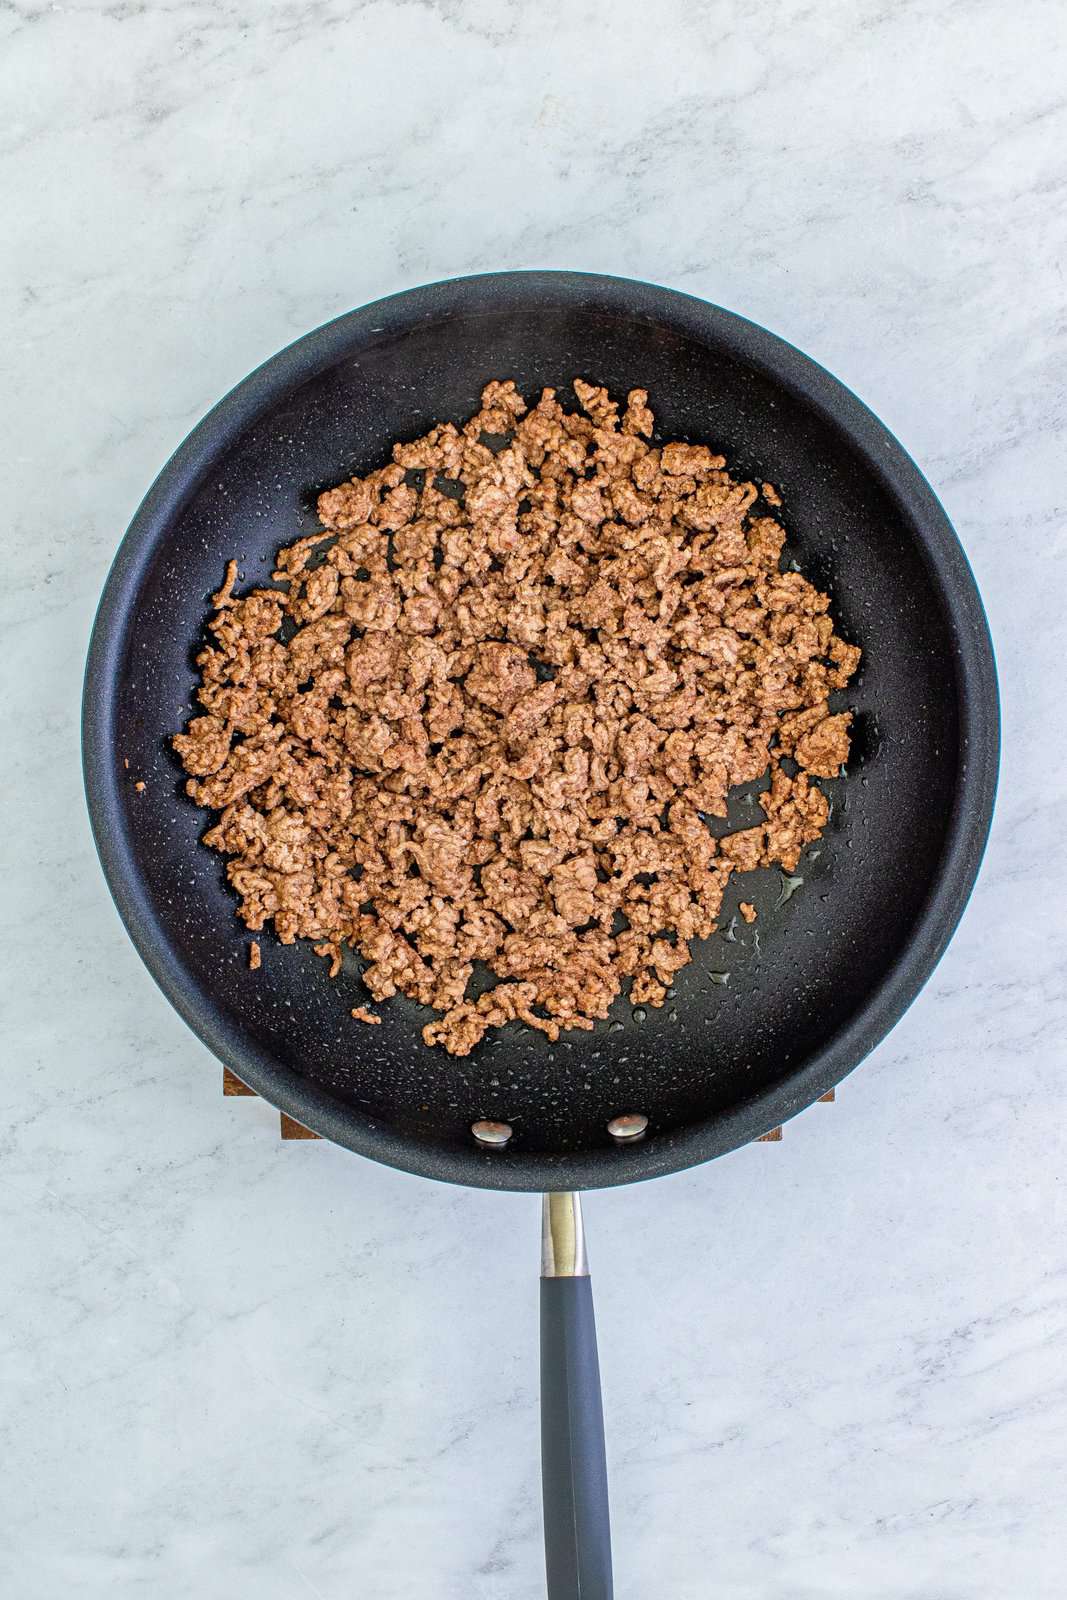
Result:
pixel 493 1134
pixel 628 1128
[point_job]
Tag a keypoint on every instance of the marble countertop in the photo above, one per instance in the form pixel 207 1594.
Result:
pixel 833 1366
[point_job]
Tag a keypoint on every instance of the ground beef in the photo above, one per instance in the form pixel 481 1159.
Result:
pixel 488 710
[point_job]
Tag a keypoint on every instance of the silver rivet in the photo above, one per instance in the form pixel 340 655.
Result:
pixel 494 1134
pixel 629 1127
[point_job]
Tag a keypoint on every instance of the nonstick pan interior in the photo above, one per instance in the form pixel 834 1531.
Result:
pixel 754 1030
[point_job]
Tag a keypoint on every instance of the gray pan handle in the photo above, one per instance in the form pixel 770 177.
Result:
pixel 573 1471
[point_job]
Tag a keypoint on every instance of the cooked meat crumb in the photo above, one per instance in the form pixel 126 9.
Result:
pixel 489 709
pixel 255 957
pixel 224 597
pixel 364 1014
pixel 747 910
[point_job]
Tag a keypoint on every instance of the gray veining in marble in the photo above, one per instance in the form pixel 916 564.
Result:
pixel 833 1367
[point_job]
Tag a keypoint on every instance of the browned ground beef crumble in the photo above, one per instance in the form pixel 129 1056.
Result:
pixel 487 712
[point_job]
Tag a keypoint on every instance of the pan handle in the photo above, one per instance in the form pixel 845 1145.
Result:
pixel 573 1471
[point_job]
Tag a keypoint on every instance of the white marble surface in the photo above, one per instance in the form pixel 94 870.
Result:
pixel 833 1367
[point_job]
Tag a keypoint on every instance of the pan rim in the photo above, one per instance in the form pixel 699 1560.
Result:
pixel 978 709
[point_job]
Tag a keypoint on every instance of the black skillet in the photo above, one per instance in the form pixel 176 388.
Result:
pixel 837 962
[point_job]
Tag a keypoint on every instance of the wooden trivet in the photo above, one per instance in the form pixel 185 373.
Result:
pixel 291 1129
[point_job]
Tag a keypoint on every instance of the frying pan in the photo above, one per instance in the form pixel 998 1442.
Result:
pixel 757 1028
